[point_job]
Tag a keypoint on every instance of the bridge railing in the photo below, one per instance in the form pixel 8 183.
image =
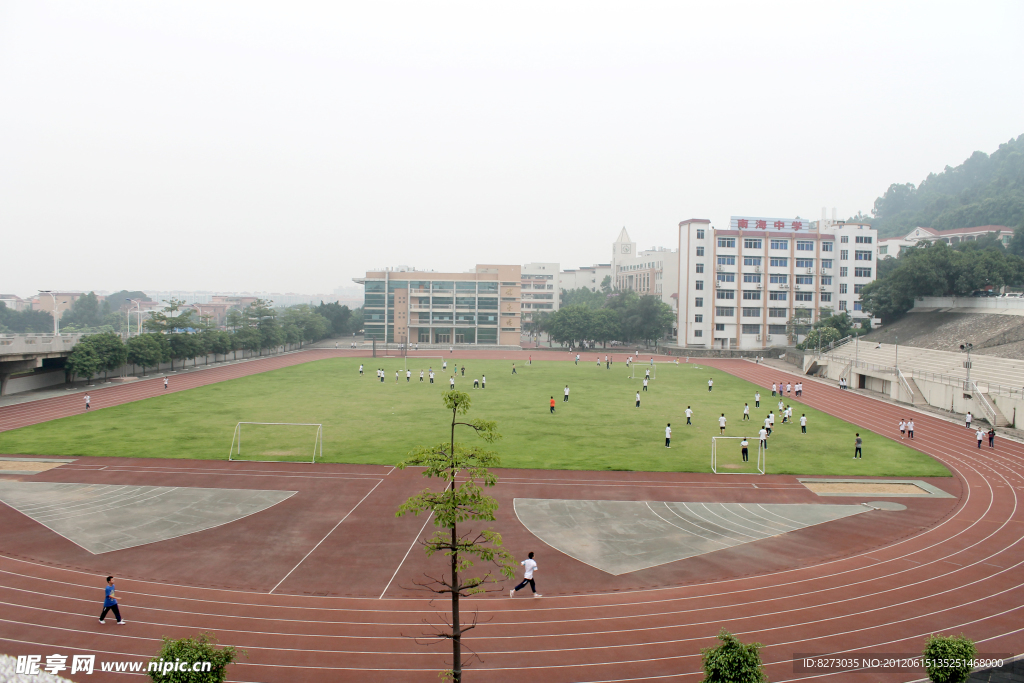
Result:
pixel 36 343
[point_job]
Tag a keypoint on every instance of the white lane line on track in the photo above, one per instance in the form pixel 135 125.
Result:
pixel 405 557
pixel 325 537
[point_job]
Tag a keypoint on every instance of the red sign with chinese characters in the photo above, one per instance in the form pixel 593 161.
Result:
pixel 754 223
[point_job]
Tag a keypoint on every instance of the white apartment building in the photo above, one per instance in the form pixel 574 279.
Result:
pixel 540 289
pixel 590 277
pixel 652 271
pixel 740 288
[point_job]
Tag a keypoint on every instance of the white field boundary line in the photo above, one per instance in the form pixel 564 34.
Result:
pixel 406 556
pixel 325 537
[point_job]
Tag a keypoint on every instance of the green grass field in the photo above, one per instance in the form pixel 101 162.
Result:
pixel 365 421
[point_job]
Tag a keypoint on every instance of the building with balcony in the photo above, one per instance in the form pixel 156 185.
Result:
pixel 651 271
pixel 539 287
pixel 590 277
pixel 763 281
pixel 479 307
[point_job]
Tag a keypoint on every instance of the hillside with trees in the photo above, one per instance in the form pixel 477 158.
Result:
pixel 983 190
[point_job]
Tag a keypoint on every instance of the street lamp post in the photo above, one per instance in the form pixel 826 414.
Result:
pixel 966 348
pixel 56 327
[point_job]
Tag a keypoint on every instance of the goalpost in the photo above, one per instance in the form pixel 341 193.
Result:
pixel 640 370
pixel 439 359
pixel 734 450
pixel 278 443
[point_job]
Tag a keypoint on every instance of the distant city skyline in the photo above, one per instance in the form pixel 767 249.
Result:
pixel 270 147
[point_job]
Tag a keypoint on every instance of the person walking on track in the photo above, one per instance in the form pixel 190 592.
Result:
pixel 110 602
pixel 910 428
pixel 165 382
pixel 529 567
pixel 87 400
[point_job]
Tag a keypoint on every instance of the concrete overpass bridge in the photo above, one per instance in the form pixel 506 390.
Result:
pixel 26 353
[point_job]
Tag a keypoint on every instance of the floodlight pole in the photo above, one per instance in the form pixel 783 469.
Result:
pixel 966 348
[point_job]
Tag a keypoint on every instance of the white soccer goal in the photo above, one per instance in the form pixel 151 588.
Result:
pixel 277 442
pixel 733 458
pixel 640 370
pixel 439 359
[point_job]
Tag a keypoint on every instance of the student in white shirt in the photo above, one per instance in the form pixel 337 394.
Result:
pixel 711 383
pixel 565 399
pixel 803 423
pixel 979 435
pixel 452 381
pixel 969 417
pixel 408 376
pixel 721 424
pixel 910 428
pixel 421 375
pixel 689 414
pixel 746 411
pixel 773 388
pixel 743 451
pixel 903 428
pixel 645 384
pixel 360 368
pixel 87 400
pixel 529 567
pixel 763 436
pixel 444 365
pixel 757 399
pixel 789 388
pixel 638 399
pixel 483 381
pixel 431 376
pixel 668 435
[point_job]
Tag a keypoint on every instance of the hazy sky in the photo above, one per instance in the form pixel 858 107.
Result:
pixel 291 146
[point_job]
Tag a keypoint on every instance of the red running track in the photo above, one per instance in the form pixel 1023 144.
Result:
pixel 960 573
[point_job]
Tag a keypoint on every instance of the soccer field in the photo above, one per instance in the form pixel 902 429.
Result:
pixel 366 421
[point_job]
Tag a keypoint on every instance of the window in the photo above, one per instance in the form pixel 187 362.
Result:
pixel 804 245
pixel 862 272
pixel 779 262
pixel 843 271
pixel 698 285
pixel 883 250
pixel 780 244
pixel 698 333
pixel 751 243
pixel 751 260
pixel 805 279
pixel 857 288
pixel 751 277
pixel 842 305
pixel 778 278
pixel 826 263
pixel 862 256
pixel 826 296
pixel 700 251
pixel 844 255
pixel 827 246
pixel 805 263
pixel 777 329
pixel 725 294
pixel 777 296
pixel 727 260
pixel 725 311
pixel 752 296
pixel 700 233
pixel 804 296
pixel 698 302
pixel 751 329
pixel 857 306
pixel 842 288
pixel 844 239
pixel 863 239
pixel 727 277
pixel 699 318
pixel 751 312
pixel 700 267
pixel 719 327
pixel 777 313
pixel 726 242
pixel 826 279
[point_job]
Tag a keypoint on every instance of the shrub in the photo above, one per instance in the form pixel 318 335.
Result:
pixel 948 658
pixel 732 661
pixel 187 651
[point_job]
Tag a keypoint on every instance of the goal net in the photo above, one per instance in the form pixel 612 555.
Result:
pixel 424 362
pixel 640 370
pixel 730 459
pixel 277 442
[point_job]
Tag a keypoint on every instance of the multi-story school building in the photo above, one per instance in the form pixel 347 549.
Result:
pixel 482 306
pixel 763 281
